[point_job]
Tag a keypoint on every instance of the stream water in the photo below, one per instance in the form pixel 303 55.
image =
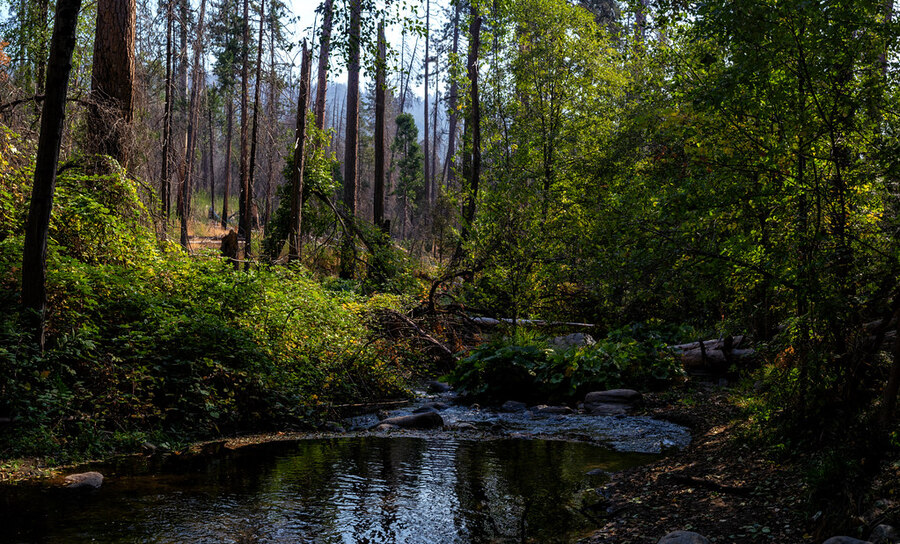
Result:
pixel 339 490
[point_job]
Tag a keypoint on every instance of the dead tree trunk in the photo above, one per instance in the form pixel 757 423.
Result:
pixel 34 252
pixel 449 170
pixel 295 246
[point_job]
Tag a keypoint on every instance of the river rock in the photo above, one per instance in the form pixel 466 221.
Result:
pixel 513 406
pixel 384 427
pixel 607 409
pixel 845 540
pixel 576 339
pixel 545 410
pixel 613 396
pixel 884 534
pixel 465 427
pixel 424 420
pixel 431 407
pixel 84 480
pixel 683 537
pixel 437 387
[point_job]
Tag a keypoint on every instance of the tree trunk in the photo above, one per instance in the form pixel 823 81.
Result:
pixel 255 132
pixel 322 80
pixel 212 162
pixel 351 141
pixel 228 134
pixel 449 171
pixel 34 252
pixel 112 78
pixel 378 204
pixel 295 246
pixel 165 181
pixel 429 197
pixel 193 125
pixel 246 188
pixel 434 130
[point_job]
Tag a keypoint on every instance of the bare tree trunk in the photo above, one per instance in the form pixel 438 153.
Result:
pixel 246 187
pixel 166 182
pixel 322 80
pixel 295 246
pixel 378 204
pixel 434 130
pixel 112 78
pixel 449 171
pixel 193 126
pixel 255 131
pixel 228 134
pixel 404 92
pixel 53 116
pixel 272 114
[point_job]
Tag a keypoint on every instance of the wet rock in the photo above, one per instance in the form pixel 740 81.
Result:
pixel 613 396
pixel 884 534
pixel 607 409
pixel 84 480
pixel 576 339
pixel 437 387
pixel 382 415
pixel 384 427
pixel 465 427
pixel 333 427
pixel 431 407
pixel 845 540
pixel 590 499
pixel 683 537
pixel 545 410
pixel 513 406
pixel 424 420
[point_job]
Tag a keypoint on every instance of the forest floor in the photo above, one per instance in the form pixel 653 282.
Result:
pixel 720 486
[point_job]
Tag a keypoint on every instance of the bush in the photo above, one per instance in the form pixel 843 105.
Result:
pixel 532 372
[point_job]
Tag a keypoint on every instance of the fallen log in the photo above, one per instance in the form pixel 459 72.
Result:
pixel 493 322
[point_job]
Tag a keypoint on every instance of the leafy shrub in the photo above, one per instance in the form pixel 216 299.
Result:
pixel 532 372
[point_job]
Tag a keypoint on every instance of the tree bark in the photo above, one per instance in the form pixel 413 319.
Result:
pixel 112 78
pixel 212 162
pixel 165 181
pixel 351 140
pixel 449 171
pixel 295 246
pixel 322 80
pixel 229 130
pixel 246 188
pixel 429 197
pixel 193 125
pixel 34 253
pixel 255 131
pixel 378 204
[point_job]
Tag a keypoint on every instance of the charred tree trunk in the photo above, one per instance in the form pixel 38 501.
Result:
pixel 378 204
pixel 112 78
pixel 294 246
pixel 34 252
pixel 322 78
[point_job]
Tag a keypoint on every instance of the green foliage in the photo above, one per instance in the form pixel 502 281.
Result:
pixel 504 370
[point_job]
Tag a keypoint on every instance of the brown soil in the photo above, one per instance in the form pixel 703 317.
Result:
pixel 720 486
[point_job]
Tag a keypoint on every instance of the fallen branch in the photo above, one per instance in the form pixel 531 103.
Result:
pixel 492 322
pixel 691 481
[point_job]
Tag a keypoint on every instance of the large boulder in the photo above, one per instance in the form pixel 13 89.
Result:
pixel 683 537
pixel 424 420
pixel 845 540
pixel 545 410
pixel 84 480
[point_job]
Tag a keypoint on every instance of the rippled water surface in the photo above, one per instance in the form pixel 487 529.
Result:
pixel 342 490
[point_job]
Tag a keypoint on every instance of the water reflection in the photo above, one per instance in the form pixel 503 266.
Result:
pixel 346 490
